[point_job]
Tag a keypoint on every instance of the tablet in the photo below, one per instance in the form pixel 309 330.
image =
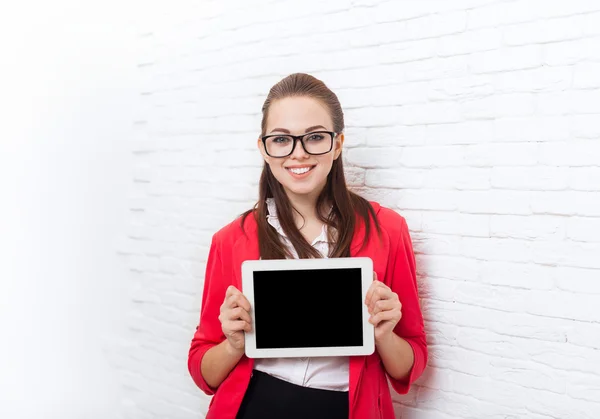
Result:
pixel 308 307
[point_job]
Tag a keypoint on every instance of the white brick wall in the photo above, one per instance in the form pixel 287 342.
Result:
pixel 475 119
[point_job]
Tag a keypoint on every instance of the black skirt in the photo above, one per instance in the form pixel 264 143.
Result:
pixel 268 397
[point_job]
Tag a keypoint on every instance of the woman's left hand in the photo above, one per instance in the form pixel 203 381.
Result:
pixel 384 307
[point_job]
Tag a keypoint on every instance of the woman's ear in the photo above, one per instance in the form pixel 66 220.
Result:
pixel 338 144
pixel 261 148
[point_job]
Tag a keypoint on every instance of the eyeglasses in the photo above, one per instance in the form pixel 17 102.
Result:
pixel 315 143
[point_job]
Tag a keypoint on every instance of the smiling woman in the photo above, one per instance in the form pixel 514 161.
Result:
pixel 305 210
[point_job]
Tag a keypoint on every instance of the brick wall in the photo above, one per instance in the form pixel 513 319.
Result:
pixel 475 120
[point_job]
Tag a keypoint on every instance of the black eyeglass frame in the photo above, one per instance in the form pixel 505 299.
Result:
pixel 295 139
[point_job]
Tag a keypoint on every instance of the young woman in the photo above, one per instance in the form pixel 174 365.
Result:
pixel 305 210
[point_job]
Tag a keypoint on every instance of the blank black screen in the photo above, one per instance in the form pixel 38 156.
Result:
pixel 308 308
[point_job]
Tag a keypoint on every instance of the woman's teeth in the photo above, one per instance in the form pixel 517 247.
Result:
pixel 300 171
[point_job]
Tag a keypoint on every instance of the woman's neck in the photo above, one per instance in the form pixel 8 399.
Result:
pixel 306 205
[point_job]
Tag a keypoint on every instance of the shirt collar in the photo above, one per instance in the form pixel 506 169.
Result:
pixel 273 220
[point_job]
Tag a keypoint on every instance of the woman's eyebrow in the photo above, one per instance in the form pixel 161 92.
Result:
pixel 309 129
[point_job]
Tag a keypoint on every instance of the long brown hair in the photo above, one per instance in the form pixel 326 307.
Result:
pixel 344 203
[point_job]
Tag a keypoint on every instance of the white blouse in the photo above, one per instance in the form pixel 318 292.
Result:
pixel 328 373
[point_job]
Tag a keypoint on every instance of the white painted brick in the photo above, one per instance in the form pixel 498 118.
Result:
pixel 460 88
pixel 385 196
pixel 501 154
pixel 454 358
pixel 372 35
pixel 395 178
pixel 498 106
pixel 499 298
pixel 584 229
pixel 585 126
pixel 591 25
pixel 585 178
pixel 506 59
pixel 367 76
pixel 390 95
pixel 528 227
pixel 560 356
pixel 529 374
pixel 542 31
pixel 455 223
pixel 586 281
pixel 457 179
pixel 564 304
pixel 448 267
pixel 354 137
pixel 554 405
pixel 569 52
pixel 395 136
pixel 430 113
pixel 575 254
pixel 501 13
pixel 442 333
pixel 585 101
pixel 355 176
pixel 470 41
pixel 518 275
pixel 374 116
pixel 586 75
pixel 539 178
pixel 436 25
pixel 552 9
pixel 402 52
pixel 413 219
pixel 437 68
pixel 585 334
pixel 584 387
pixel 531 129
pixel 462 405
pixel 565 203
pixel 573 153
pixel 464 132
pixel 505 323
pixel 553 104
pixel 442 245
pixel 496 249
pixel 540 79
pixel 394 11
pixel 432 156
pixel 494 202
pixel 374 157
pixel 431 200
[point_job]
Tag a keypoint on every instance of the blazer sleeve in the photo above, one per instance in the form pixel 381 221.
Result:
pixel 410 327
pixel 208 332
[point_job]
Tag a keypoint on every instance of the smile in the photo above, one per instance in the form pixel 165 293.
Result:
pixel 300 170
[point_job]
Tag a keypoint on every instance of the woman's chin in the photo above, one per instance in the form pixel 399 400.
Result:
pixel 300 189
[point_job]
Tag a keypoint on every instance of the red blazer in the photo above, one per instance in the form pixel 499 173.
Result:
pixel 394 263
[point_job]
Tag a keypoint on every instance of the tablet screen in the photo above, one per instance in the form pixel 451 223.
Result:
pixel 308 308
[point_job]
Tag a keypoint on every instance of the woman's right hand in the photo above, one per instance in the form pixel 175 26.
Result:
pixel 235 318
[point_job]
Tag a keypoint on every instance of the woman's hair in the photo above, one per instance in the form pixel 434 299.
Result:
pixel 344 202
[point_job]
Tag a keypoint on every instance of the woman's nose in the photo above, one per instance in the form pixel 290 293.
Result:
pixel 299 151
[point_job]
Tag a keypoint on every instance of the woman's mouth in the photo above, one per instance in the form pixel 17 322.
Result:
pixel 299 172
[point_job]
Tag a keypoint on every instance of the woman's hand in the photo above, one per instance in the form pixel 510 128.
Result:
pixel 235 318
pixel 384 307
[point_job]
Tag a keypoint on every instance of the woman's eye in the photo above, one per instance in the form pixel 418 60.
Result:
pixel 280 139
pixel 315 137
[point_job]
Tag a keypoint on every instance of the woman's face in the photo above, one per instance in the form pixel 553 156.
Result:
pixel 299 116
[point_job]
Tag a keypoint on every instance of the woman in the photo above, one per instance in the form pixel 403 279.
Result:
pixel 306 211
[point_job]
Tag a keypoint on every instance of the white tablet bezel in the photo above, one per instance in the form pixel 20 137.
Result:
pixel 366 266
